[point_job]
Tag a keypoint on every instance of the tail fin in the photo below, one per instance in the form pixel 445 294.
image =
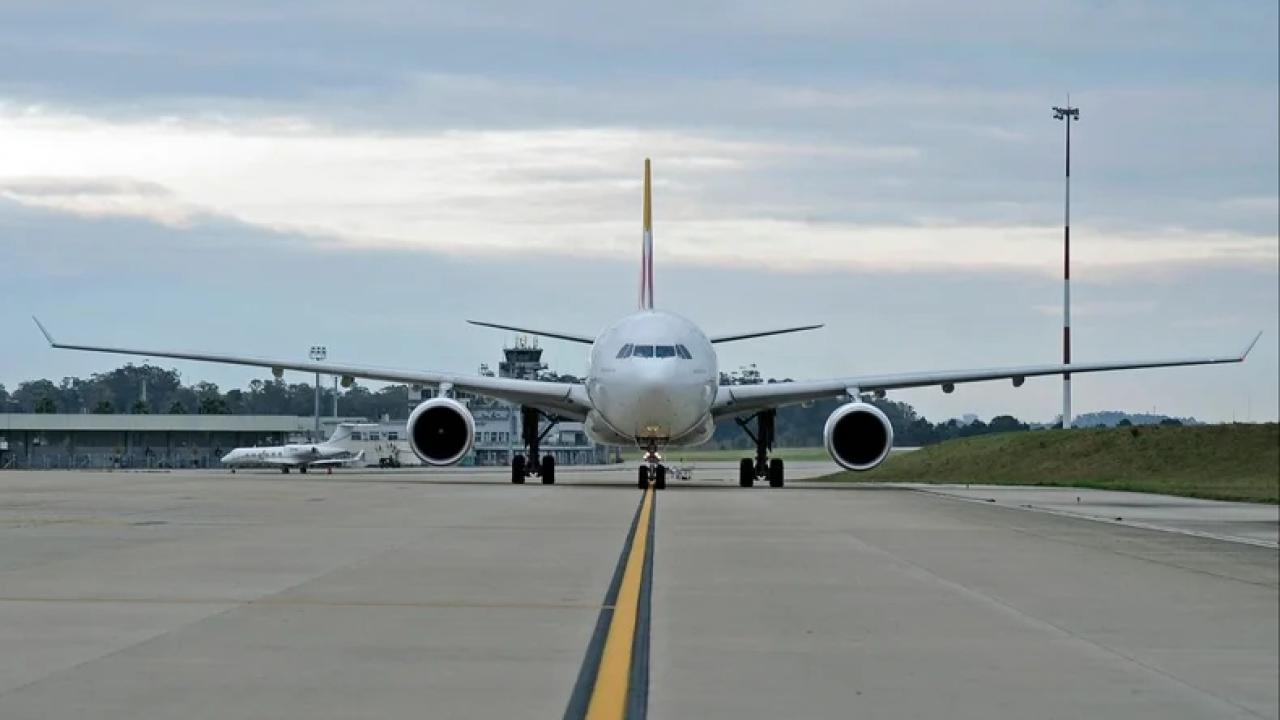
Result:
pixel 341 431
pixel 646 260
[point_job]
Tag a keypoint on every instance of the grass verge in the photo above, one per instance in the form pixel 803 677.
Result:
pixel 1219 462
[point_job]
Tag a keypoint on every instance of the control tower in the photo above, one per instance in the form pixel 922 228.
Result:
pixel 524 361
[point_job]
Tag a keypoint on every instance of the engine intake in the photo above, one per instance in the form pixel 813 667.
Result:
pixel 858 436
pixel 441 431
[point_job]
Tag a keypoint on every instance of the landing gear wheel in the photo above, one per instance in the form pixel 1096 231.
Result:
pixel 284 470
pixel 548 470
pixel 303 469
pixel 746 472
pixel 660 478
pixel 517 469
pixel 775 472
pixel 643 481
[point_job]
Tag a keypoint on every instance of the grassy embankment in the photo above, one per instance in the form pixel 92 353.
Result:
pixel 1220 462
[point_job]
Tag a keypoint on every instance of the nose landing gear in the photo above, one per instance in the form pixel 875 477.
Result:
pixel 762 466
pixel 652 470
pixel 522 467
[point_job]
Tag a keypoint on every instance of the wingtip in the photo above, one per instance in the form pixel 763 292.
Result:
pixel 1249 347
pixel 44 331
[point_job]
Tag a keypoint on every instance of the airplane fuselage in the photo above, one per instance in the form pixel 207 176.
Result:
pixel 652 379
pixel 293 455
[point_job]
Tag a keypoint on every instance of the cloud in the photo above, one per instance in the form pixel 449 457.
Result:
pixel 99 197
pixel 721 199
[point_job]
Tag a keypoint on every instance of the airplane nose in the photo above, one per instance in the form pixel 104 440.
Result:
pixel 654 406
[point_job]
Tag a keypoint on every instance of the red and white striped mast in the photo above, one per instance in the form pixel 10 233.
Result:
pixel 1067 114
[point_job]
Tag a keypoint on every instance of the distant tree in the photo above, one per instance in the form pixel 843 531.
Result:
pixel 208 400
pixel 46 406
pixel 140 408
pixel 1171 422
pixel 920 432
pixel 1006 423
pixel 103 407
pixel 1124 422
pixel 212 405
pixel 177 408
pixel 235 401
pixel 28 394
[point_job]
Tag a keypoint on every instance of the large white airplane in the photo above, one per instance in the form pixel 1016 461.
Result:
pixel 653 382
pixel 329 453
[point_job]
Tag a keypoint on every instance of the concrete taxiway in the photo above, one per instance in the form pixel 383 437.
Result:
pixel 455 594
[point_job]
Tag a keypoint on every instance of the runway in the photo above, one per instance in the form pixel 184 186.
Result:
pixel 453 594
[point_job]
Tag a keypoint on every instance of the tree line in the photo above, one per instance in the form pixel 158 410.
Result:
pixel 121 391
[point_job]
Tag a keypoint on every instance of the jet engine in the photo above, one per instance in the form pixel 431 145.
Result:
pixel 858 436
pixel 441 431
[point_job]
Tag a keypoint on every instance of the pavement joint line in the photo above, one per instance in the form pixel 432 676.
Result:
pixel 613 682
pixel 1094 518
pixel 1032 620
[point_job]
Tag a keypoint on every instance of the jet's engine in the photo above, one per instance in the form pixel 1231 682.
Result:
pixel 858 436
pixel 441 431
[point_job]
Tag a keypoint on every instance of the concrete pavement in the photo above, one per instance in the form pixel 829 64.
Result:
pixel 454 594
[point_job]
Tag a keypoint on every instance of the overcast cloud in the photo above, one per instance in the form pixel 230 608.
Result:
pixel 232 177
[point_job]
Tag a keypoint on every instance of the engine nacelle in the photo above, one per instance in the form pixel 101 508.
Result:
pixel 441 431
pixel 858 436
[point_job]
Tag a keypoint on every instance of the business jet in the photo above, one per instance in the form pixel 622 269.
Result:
pixel 653 382
pixel 301 456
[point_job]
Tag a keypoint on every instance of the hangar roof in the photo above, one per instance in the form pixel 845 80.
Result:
pixel 156 423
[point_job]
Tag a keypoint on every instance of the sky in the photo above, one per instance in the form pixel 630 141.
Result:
pixel 236 177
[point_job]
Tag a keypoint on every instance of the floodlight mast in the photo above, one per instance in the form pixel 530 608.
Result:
pixel 318 353
pixel 1068 114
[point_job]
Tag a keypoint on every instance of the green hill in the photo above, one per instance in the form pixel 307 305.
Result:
pixel 1220 462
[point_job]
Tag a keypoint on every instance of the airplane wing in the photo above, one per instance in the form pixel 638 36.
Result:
pixel 338 461
pixel 544 333
pixel 740 399
pixel 761 333
pixel 567 400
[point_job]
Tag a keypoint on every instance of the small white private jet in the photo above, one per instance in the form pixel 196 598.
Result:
pixel 296 455
pixel 653 382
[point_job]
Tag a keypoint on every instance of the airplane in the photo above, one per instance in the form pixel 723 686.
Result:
pixel 653 382
pixel 296 455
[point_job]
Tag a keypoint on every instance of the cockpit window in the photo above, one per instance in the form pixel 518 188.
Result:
pixel 655 351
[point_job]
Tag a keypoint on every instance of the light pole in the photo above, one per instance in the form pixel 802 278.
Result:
pixel 1067 114
pixel 335 398
pixel 318 353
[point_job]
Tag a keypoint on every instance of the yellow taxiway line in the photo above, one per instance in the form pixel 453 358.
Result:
pixel 609 697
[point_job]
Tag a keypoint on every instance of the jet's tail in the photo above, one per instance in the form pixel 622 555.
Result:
pixel 646 259
pixel 340 432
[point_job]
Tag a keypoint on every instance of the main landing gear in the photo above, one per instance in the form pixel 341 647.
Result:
pixel 522 466
pixel 761 467
pixel 652 470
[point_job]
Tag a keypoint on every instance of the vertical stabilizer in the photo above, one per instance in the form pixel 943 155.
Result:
pixel 646 260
